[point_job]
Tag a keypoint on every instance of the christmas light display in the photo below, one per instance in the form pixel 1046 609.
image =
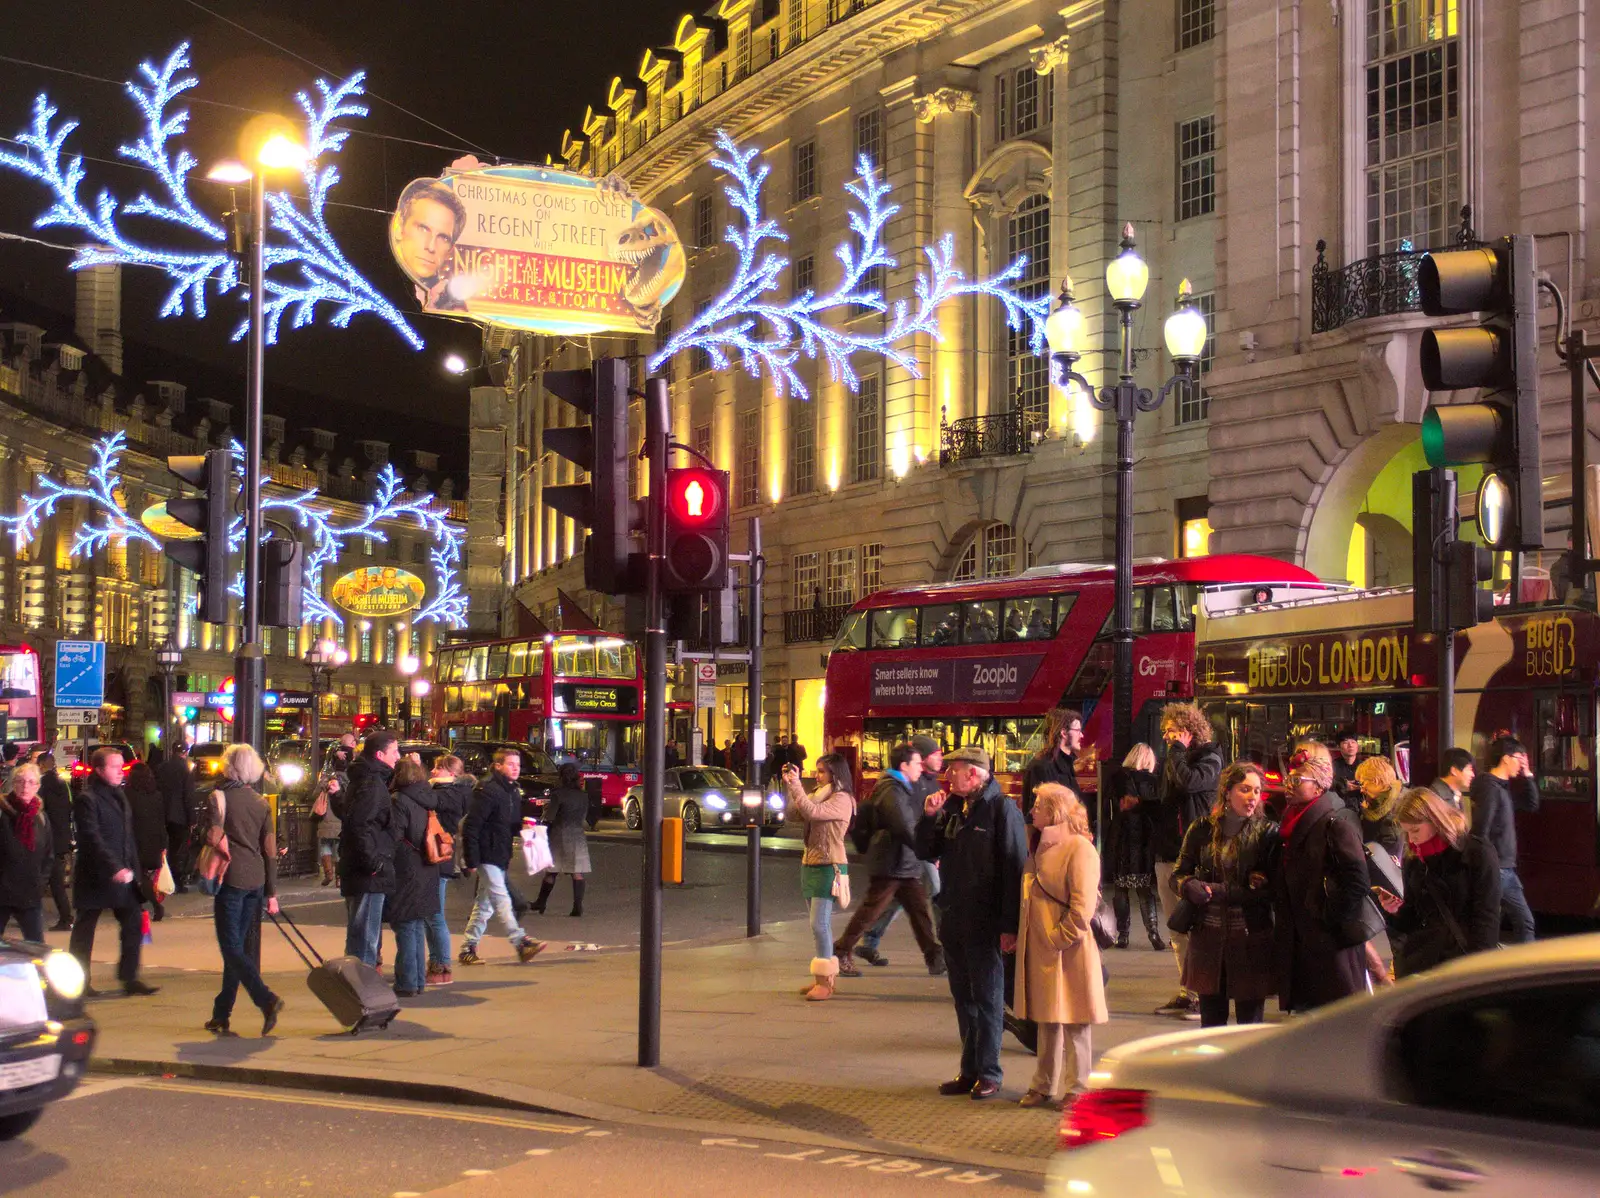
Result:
pixel 771 337
pixel 305 266
pixel 111 521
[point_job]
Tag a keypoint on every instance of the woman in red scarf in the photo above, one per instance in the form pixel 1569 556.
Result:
pixel 26 852
pixel 1452 883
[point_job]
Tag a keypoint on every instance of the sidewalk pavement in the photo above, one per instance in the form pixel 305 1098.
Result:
pixel 741 1052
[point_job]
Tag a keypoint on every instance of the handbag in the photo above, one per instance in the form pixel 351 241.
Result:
pixel 841 888
pixel 536 853
pixel 1183 918
pixel 1102 924
pixel 319 805
pixel 437 844
pixel 211 865
pixel 164 885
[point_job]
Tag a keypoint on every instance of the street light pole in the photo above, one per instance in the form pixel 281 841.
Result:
pixel 169 658
pixel 250 666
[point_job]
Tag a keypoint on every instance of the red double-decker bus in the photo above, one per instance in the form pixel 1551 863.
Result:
pixel 983 662
pixel 1315 668
pixel 573 696
pixel 21 710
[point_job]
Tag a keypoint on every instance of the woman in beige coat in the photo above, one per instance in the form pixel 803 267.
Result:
pixel 1059 983
pixel 827 811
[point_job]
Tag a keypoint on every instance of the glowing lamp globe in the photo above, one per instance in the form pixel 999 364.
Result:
pixel 1127 275
pixel 1064 329
pixel 1186 328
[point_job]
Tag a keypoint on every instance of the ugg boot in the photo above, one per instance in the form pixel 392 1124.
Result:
pixel 823 972
pixel 545 888
pixel 327 870
pixel 577 896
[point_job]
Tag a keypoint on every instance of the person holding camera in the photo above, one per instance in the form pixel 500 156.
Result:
pixel 824 869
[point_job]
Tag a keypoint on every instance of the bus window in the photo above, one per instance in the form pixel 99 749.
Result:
pixel 615 659
pixel 1162 616
pixel 1064 602
pixel 1141 604
pixel 1565 750
pixel 1187 595
pixel 852 633
pixel 894 628
pixel 981 622
pixel 575 659
pixel 943 624
pixel 458 665
pixel 18 676
pixel 477 663
pixel 497 662
pixel 517 665
pixel 452 698
pixel 1029 619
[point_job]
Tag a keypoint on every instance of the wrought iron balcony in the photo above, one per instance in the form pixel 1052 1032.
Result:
pixel 998 435
pixel 1382 285
pixel 813 623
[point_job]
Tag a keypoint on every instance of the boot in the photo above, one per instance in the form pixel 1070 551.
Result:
pixel 823 972
pixel 577 896
pixel 545 888
pixel 1151 927
pixel 327 870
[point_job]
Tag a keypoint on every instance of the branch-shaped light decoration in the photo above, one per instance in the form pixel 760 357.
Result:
pixel 305 268
pixel 112 522
pixel 767 337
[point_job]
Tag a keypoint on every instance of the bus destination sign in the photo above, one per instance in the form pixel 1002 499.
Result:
pixel 961 680
pixel 574 697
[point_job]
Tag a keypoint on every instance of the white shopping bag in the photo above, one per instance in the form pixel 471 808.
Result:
pixel 536 849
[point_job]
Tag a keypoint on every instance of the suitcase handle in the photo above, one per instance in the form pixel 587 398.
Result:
pixel 311 948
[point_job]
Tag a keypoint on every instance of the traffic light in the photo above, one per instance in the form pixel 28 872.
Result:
pixel 696 530
pixel 1501 356
pixel 602 505
pixel 209 514
pixel 1469 564
pixel 1433 528
pixel 282 574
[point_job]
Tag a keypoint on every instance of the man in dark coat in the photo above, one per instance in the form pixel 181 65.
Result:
pixel 1506 787
pixel 106 875
pixel 1188 788
pixel 1057 759
pixel 894 870
pixel 57 799
pixel 366 846
pixel 176 784
pixel 932 766
pixel 981 847
pixel 488 838
pixel 1344 770
pixel 1318 889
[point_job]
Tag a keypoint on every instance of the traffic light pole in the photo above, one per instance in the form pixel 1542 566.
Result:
pixel 754 717
pixel 1447 693
pixel 250 666
pixel 657 432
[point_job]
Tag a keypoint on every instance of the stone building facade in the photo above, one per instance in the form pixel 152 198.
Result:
pixel 1235 135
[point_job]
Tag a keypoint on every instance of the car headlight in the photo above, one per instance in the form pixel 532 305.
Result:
pixel 64 974
pixel 290 774
pixel 716 802
pixel 775 801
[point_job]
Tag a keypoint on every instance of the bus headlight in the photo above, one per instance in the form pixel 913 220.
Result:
pixel 290 774
pixel 64 974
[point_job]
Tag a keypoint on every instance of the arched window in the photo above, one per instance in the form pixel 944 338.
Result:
pixel 993 552
pixel 1028 233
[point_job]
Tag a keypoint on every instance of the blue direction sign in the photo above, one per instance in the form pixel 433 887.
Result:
pixel 80 673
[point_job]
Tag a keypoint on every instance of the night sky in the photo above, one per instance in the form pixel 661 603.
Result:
pixel 501 78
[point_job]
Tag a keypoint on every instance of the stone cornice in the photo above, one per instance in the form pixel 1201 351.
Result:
pixel 944 101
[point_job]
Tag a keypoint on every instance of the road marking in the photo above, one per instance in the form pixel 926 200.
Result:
pixel 723 1142
pixel 377 1108
pixel 857 1160
pixel 539 1152
pixel 597 1133
pixel 476 1172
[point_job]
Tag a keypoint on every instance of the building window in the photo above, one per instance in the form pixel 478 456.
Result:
pixel 805 171
pixel 391 644
pixel 1197 168
pixel 1021 103
pixel 1029 234
pixel 805 272
pixel 868 443
pixel 869 139
pixel 806 580
pixel 839 579
pixel 1194 527
pixel 749 465
pixel 1025 104
pixel 1196 22
pixel 741 54
pixel 992 553
pixel 1413 123
pixel 705 218
pixel 797 22
pixel 871 567
pixel 364 645
pixel 699 356
pixel 1002 106
pixel 700 438
pixel 1193 402
pixel 802 447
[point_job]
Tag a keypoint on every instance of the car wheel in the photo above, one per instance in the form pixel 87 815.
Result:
pixel 691 818
pixel 12 1126
pixel 634 819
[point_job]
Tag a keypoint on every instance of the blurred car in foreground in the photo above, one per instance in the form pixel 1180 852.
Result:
pixel 78 754
pixel 706 798
pixel 1480 1077
pixel 45 1038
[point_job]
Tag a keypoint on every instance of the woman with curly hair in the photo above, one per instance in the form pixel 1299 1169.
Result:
pixel 1380 791
pixel 1223 872
pixel 1188 786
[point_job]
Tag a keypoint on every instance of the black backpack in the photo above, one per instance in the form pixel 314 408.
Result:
pixel 862 825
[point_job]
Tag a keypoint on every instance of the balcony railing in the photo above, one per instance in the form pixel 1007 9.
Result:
pixel 1382 285
pixel 813 623
pixel 998 435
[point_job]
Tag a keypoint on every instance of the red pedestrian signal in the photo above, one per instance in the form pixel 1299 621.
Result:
pixel 696 530
pixel 696 496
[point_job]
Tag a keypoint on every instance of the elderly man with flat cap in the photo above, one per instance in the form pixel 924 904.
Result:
pixel 977 837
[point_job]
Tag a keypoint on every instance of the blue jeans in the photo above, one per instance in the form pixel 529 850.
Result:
pixel 1514 908
pixel 410 954
pixel 363 926
pixel 822 926
pixel 977 984
pixel 493 899
pixel 439 932
pixel 235 911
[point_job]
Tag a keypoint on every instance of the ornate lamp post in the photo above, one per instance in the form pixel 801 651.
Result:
pixel 169 657
pixel 1126 278
pixel 324 657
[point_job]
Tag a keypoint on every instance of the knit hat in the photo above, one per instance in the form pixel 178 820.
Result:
pixel 969 755
pixel 926 746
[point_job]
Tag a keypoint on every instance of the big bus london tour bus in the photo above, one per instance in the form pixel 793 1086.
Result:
pixel 1313 667
pixel 984 662
pixel 575 696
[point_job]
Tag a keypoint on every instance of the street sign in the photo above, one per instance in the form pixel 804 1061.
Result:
pixel 706 672
pixel 73 717
pixel 188 699
pixel 80 673
pixel 705 696
pixel 705 684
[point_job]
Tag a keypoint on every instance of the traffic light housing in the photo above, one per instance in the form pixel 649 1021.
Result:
pixel 1500 356
pixel 282 576
pixel 602 505
pixel 696 542
pixel 209 514
pixel 1469 604
pixel 1433 528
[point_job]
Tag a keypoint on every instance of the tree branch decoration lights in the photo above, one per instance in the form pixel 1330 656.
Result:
pixel 111 522
pixel 746 322
pixel 305 266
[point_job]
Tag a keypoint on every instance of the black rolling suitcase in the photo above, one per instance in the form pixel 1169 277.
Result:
pixel 353 991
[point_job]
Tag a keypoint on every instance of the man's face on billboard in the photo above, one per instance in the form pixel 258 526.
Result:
pixel 427 236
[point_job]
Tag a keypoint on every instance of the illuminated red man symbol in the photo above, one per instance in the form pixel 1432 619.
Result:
pixel 694 499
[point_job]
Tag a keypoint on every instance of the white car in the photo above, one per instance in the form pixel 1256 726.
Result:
pixel 1481 1077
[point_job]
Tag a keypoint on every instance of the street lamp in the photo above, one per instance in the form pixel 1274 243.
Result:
pixel 1126 279
pixel 269 146
pixel 324 657
pixel 420 687
pixel 169 657
pixel 409 664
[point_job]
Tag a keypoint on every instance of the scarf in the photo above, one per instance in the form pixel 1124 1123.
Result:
pixel 1431 847
pixel 27 821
